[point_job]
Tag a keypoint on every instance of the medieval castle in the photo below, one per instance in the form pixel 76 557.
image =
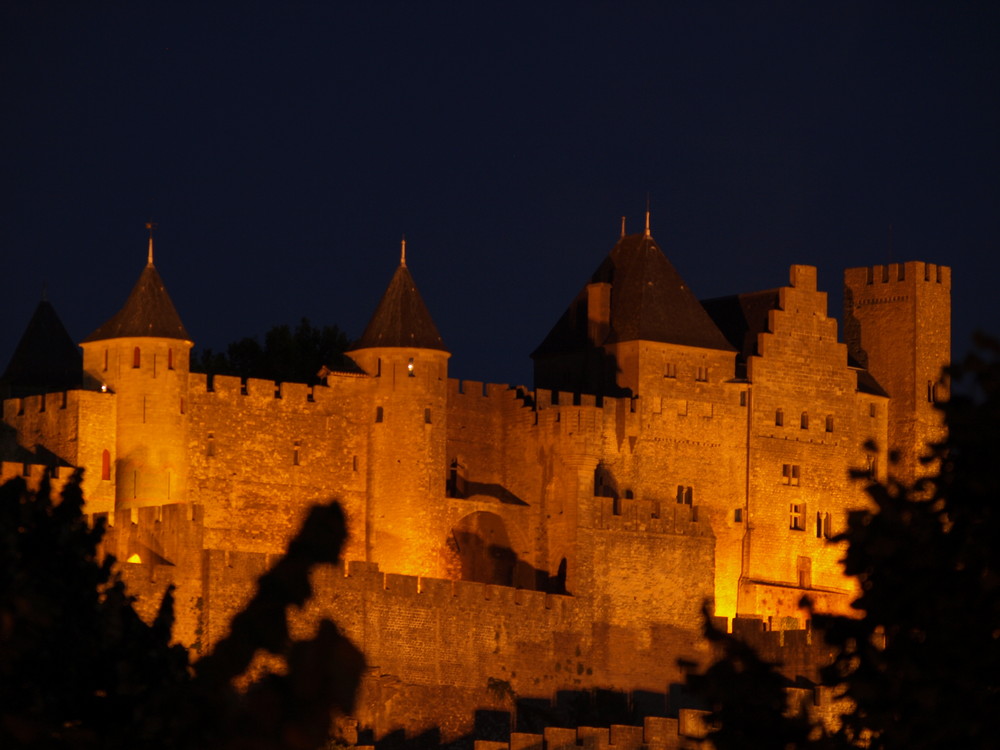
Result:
pixel 548 540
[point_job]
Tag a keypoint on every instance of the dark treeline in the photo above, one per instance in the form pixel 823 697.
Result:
pixel 287 355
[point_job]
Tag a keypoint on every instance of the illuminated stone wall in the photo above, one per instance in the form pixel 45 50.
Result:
pixel 898 325
pixel 540 540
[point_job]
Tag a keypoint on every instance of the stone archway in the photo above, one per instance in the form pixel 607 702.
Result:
pixel 484 549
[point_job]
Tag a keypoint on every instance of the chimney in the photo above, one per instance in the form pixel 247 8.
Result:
pixel 598 312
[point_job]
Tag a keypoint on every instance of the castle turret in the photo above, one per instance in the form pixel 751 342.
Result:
pixel 141 356
pixel 402 351
pixel 897 321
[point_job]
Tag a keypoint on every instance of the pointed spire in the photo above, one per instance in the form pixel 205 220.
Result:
pixel 401 318
pixel 148 311
pixel 149 254
pixel 623 227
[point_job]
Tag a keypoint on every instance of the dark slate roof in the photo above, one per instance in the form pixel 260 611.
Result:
pixel 649 302
pixel 401 318
pixel 46 359
pixel 741 317
pixel 148 311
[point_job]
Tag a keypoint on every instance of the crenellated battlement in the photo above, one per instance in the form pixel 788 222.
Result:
pixel 649 517
pixel 365 576
pixel 177 515
pixel 232 390
pixel 33 473
pixel 48 402
pixel 892 274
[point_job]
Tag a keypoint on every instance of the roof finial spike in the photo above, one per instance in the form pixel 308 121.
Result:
pixel 623 226
pixel 149 253
pixel 402 252
pixel 647 214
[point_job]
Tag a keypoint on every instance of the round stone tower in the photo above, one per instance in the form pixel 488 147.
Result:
pixel 402 351
pixel 141 356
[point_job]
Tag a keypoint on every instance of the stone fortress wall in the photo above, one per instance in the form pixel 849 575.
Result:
pixel 506 541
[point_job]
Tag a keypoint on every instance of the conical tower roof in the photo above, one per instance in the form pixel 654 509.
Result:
pixel 649 302
pixel 401 318
pixel 46 358
pixel 148 311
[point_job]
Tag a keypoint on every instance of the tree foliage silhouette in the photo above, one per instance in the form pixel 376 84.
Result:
pixel 920 663
pixel 287 355
pixel 746 698
pixel 80 669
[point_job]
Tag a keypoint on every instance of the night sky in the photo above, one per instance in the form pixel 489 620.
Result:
pixel 284 148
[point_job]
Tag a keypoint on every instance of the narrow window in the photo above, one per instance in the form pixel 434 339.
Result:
pixel 688 495
pixel 616 507
pixel 136 357
pixel 379 414
pixel 106 465
pixel 804 421
pixel 930 391
pixel 680 495
pixel 354 463
pixel 427 416
pixel 211 445
pixel 182 404
pixel 804 571
pixel 829 423
pixel 670 371
pixel 743 398
pixel 738 515
pixel 629 495
pixel 819 525
pixel 871 409
pixel 295 454
pixel 409 367
pixel 701 375
pixel 378 368
pixel 170 359
pixel 779 418
pixel 105 360
pixel 797 517
pixel 790 475
pixel 872 467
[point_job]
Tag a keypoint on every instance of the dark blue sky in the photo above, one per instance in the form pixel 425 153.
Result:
pixel 284 148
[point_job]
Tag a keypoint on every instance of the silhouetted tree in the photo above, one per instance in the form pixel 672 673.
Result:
pixel 922 662
pixel 80 669
pixel 746 698
pixel 289 356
